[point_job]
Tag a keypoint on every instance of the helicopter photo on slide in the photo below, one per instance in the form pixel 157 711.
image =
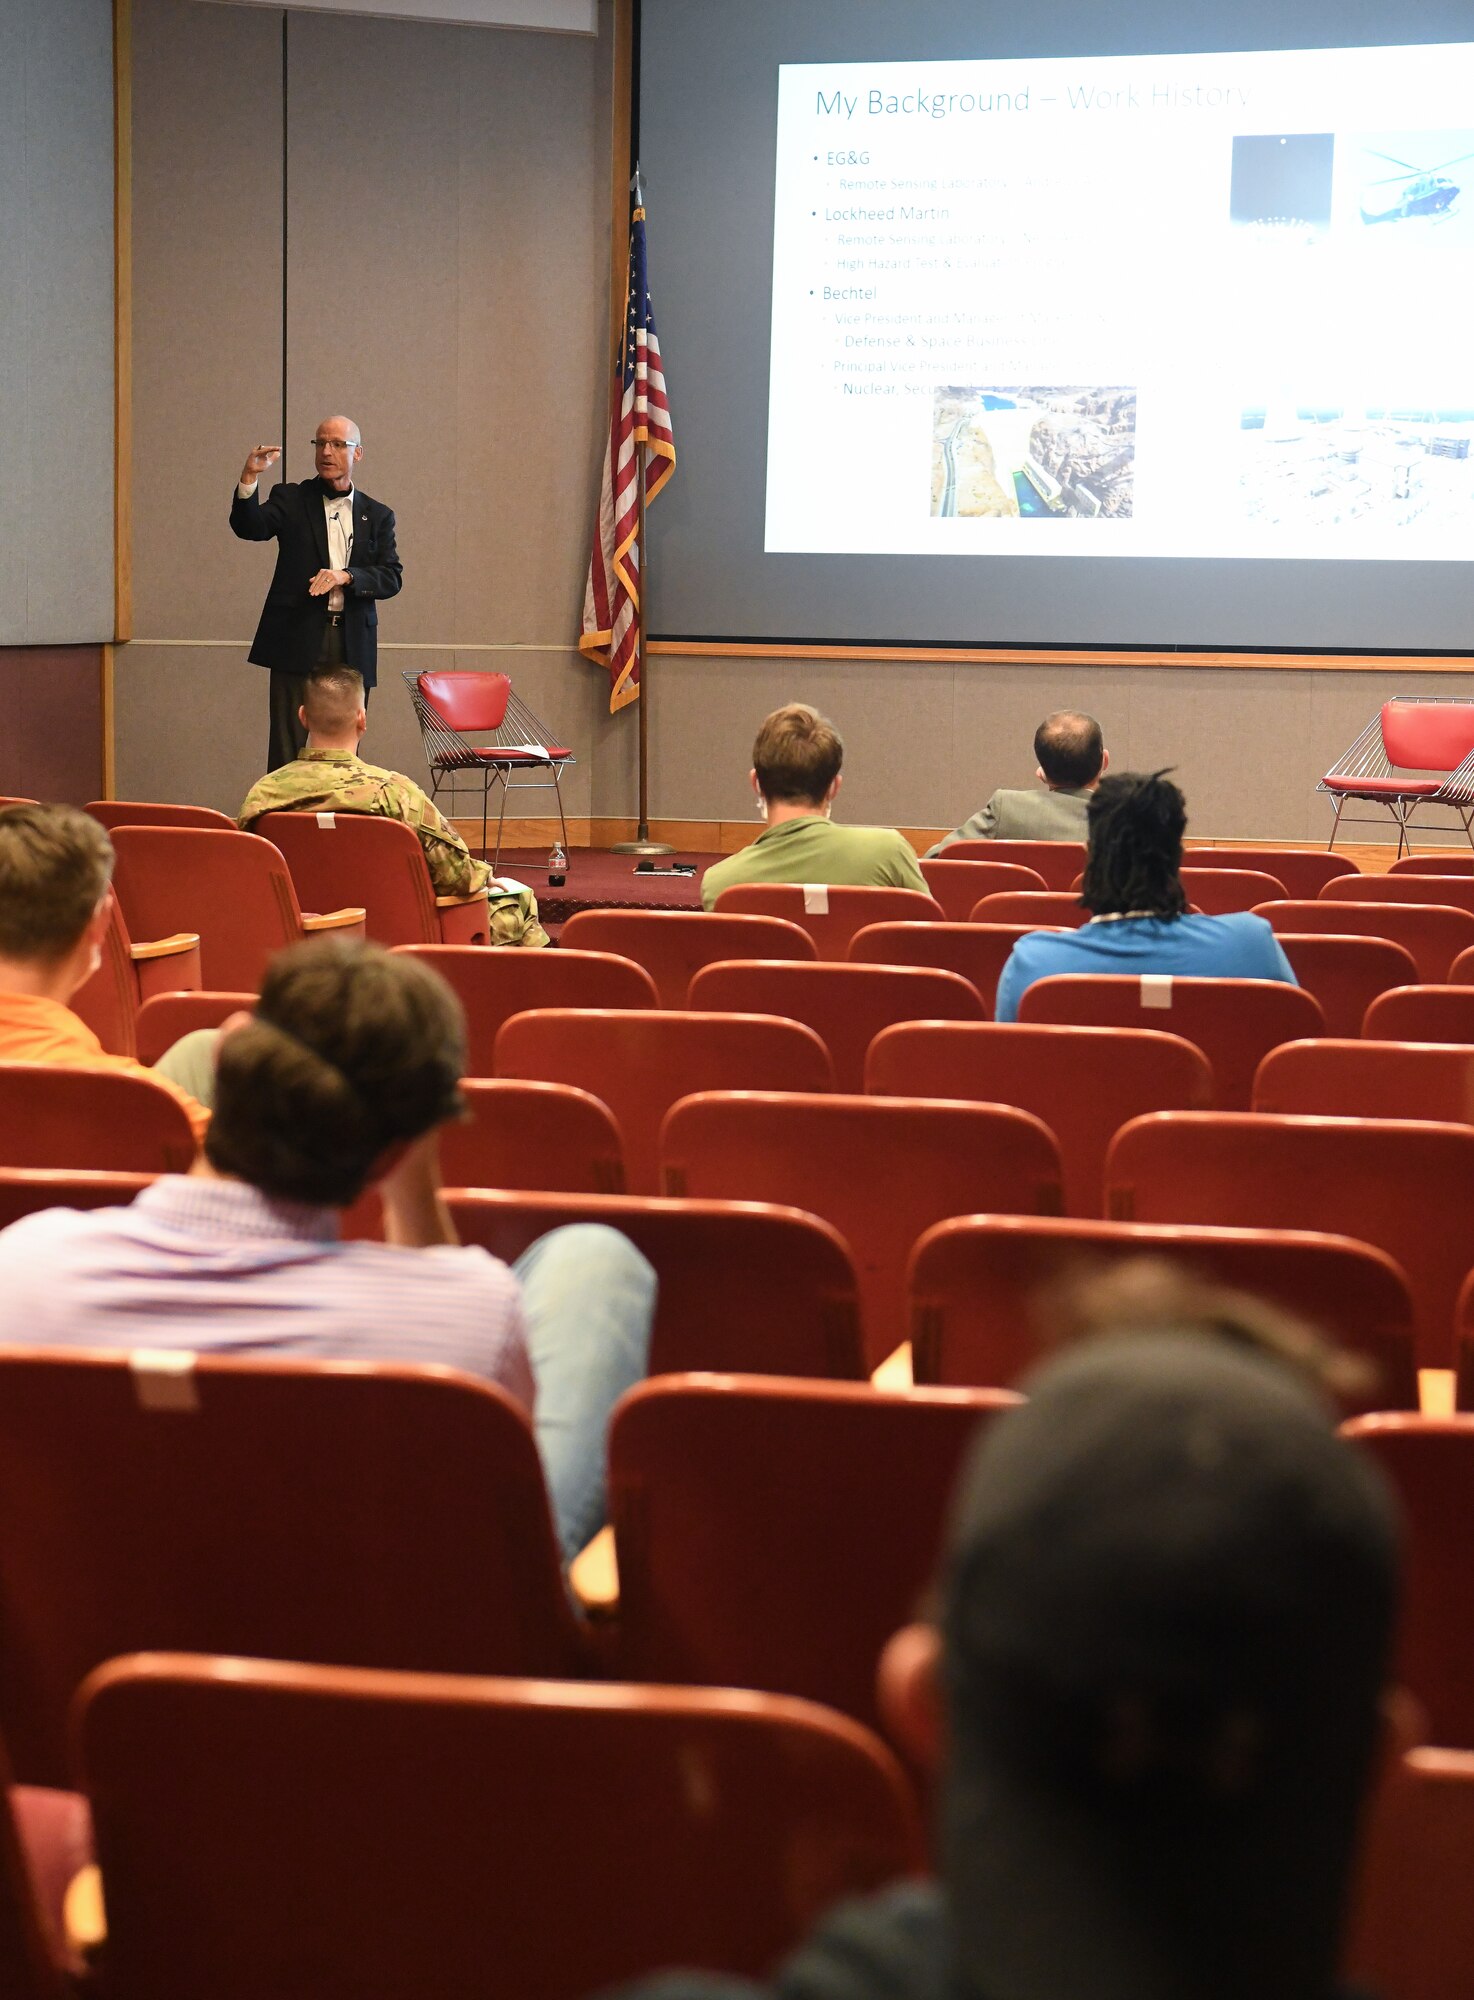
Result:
pixel 1415 186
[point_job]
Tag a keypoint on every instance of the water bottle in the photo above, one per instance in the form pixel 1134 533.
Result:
pixel 557 866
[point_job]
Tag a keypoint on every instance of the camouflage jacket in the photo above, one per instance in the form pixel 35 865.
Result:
pixel 339 781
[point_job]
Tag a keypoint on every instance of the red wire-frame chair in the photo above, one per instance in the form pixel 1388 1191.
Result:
pixel 452 708
pixel 1409 733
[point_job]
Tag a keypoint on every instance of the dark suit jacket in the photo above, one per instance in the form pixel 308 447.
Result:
pixel 289 637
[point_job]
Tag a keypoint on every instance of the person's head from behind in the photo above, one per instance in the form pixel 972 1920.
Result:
pixel 334 712
pixel 1069 750
pixel 1169 1596
pixel 1132 865
pixel 352 1054
pixel 796 760
pixel 56 864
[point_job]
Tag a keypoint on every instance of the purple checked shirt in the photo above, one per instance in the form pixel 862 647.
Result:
pixel 216 1267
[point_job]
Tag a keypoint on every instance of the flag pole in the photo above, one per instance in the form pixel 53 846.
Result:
pixel 642 845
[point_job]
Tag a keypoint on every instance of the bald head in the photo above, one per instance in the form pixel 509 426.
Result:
pixel 337 447
pixel 1069 750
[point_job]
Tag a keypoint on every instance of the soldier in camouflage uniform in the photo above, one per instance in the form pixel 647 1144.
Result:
pixel 330 776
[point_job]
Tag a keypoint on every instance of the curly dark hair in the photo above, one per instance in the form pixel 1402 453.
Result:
pixel 1136 825
pixel 351 1050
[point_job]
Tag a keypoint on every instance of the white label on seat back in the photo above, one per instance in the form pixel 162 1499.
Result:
pixel 1156 989
pixel 163 1378
pixel 328 820
pixel 816 899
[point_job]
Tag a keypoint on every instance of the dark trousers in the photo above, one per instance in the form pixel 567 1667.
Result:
pixel 288 738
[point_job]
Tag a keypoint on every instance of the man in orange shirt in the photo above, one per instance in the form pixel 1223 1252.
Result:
pixel 55 868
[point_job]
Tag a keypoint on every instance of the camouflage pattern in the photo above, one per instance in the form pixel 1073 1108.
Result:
pixel 338 781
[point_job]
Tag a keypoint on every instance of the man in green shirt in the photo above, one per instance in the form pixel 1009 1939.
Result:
pixel 330 776
pixel 796 775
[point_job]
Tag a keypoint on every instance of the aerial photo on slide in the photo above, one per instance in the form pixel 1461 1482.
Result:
pixel 1047 454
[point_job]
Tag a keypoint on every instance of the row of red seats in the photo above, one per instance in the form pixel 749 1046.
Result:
pixel 417 1539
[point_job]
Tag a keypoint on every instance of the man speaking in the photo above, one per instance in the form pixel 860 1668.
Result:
pixel 335 555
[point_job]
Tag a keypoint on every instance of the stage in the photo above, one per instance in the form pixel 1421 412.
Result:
pixel 598 880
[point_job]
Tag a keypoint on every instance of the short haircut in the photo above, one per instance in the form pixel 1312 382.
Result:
pixel 1069 748
pixel 352 1050
pixel 332 698
pixel 1136 824
pixel 55 867
pixel 797 755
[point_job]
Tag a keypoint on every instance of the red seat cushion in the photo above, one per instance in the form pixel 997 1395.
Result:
pixel 1391 786
pixel 462 760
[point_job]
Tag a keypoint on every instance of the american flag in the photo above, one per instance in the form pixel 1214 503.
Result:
pixel 641 417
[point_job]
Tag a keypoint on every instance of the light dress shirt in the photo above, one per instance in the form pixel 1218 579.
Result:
pixel 339 512
pixel 219 1268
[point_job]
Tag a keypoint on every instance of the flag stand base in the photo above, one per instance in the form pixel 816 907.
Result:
pixel 645 848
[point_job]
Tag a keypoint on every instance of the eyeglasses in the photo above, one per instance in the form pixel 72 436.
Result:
pixel 334 444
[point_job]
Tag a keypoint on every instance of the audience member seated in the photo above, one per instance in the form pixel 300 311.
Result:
pixel 796 775
pixel 1139 921
pixel 343 1075
pixel 330 776
pixel 55 867
pixel 1071 759
pixel 1156 1698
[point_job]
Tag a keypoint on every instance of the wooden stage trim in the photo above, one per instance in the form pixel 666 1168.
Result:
pixel 727 836
pixel 1013 656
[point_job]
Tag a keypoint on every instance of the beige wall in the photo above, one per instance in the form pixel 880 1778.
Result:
pixel 447 255
pixel 446 266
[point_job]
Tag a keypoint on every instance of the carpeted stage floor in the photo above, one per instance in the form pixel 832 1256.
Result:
pixel 598 880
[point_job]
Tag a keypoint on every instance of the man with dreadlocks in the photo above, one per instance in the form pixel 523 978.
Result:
pixel 1139 921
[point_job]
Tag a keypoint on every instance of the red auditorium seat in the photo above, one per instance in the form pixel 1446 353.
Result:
pixel 830 914
pixel 1346 974
pixel 1084 1083
pixel 775 1534
pixel 1233 1021
pixel 307 1510
pixel 267 1828
pixel 1058 861
pixel 846 1005
pixel 1446 891
pixel 742 1285
pixel 1435 861
pixel 1411 1932
pixel 1409 1013
pixel 977 1282
pixel 1369 1079
pixel 1218 891
pixel 93 1119
pixel 492 986
pixel 1301 869
pixel 880 1169
pixel 128 976
pixel 341 859
pixel 233 888
pixel 1404 1186
pixel 978 952
pixel 673 945
pixel 957 885
pixel 1430 1462
pixel 27 1190
pixel 45 1836
pixel 640 1063
pixel 113 813
pixel 162 1020
pixel 1037 909
pixel 1434 935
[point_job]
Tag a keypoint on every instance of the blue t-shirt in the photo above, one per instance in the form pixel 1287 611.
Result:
pixel 1241 946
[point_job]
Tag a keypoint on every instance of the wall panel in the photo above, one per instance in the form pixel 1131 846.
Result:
pixel 56 321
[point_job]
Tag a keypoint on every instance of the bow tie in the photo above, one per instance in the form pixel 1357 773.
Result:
pixel 331 493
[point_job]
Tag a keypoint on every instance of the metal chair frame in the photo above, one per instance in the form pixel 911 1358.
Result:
pixel 1367 758
pixel 449 750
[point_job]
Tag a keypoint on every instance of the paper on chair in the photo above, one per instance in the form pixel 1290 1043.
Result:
pixel 816 899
